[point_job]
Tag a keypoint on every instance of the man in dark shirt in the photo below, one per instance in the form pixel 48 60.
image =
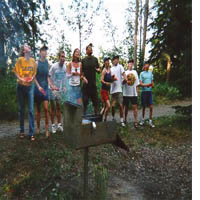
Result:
pixel 90 66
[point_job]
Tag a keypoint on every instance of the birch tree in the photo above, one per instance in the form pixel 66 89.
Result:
pixel 136 32
pixel 146 14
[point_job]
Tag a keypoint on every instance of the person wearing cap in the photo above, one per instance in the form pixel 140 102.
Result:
pixel 90 66
pixel 117 71
pixel 146 81
pixel 131 91
pixel 106 80
pixel 41 89
pixel 25 70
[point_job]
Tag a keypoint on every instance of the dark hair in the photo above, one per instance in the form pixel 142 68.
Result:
pixel 73 56
pixel 131 61
pixel 44 48
pixel 21 51
pixel 89 45
pixel 146 63
pixel 60 52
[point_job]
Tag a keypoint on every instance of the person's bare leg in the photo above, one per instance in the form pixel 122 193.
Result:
pixel 58 112
pixel 45 104
pixel 143 112
pixel 52 103
pixel 107 109
pixel 38 117
pixel 150 112
pixel 113 108
pixel 121 111
pixel 103 109
pixel 135 114
pixel 125 113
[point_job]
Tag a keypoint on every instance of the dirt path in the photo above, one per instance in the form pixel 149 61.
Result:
pixel 12 128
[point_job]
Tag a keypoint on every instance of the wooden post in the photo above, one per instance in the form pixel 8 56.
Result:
pixel 85 191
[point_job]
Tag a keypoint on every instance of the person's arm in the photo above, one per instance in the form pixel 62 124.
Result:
pixel 137 88
pixel 35 70
pixel 51 73
pixel 49 79
pixel 81 75
pixel 123 73
pixel 144 85
pixel 16 70
pixel 152 83
pixel 69 70
pixel 98 70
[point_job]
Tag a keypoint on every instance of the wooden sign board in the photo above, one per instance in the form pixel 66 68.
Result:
pixel 80 135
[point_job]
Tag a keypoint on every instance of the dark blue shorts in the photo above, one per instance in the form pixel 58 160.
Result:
pixel 39 97
pixel 127 99
pixel 146 98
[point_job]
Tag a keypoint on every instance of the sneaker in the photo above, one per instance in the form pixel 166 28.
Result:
pixel 142 122
pixel 151 124
pixel 53 128
pixel 60 128
pixel 123 124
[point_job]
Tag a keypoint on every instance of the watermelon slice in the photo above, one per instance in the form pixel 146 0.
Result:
pixel 28 79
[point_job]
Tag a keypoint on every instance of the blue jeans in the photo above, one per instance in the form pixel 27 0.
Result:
pixel 25 93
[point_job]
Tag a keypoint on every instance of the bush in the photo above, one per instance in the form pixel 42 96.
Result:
pixel 165 90
pixel 8 101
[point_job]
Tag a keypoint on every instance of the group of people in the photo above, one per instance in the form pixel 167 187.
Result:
pixel 40 83
pixel 124 89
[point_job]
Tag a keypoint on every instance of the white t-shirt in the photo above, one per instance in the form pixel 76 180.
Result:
pixel 128 90
pixel 58 74
pixel 75 79
pixel 116 86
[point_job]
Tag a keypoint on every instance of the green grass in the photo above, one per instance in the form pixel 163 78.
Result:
pixel 47 169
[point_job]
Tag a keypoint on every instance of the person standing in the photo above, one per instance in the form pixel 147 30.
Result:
pixel 131 91
pixel 106 80
pixel 146 81
pixel 25 70
pixel 90 66
pixel 74 74
pixel 41 89
pixel 117 71
pixel 57 74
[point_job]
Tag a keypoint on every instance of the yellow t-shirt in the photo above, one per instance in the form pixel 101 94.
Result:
pixel 25 69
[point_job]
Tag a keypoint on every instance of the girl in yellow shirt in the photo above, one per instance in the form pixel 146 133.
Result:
pixel 25 71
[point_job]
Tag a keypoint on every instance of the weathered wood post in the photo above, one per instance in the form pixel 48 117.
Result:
pixel 82 136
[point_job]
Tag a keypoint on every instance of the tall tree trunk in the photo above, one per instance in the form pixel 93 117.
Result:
pixel 80 34
pixel 2 56
pixel 168 69
pixel 167 57
pixel 146 14
pixel 141 11
pixel 136 32
pixel 33 26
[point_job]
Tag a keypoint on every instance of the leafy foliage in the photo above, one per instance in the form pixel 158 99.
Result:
pixel 8 103
pixel 166 90
pixel 80 17
pixel 19 22
pixel 172 36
